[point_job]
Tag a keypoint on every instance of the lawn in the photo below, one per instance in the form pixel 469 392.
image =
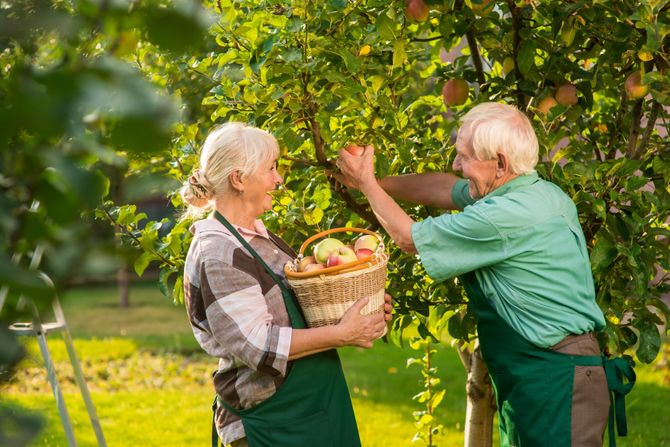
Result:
pixel 151 385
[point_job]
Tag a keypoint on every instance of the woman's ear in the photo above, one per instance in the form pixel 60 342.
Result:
pixel 236 181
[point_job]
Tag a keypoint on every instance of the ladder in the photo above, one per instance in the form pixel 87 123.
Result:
pixel 40 329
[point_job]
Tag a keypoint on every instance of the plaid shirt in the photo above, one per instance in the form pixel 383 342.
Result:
pixel 237 314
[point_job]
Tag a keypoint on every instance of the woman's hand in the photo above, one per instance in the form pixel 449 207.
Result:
pixel 361 330
pixel 388 307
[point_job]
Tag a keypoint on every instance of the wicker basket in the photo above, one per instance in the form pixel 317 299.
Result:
pixel 325 295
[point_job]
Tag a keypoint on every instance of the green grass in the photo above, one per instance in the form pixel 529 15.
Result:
pixel 151 386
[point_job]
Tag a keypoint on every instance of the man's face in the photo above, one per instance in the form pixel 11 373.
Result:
pixel 482 174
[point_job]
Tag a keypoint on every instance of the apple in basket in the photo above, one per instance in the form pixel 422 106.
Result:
pixel 323 249
pixel 312 267
pixel 342 255
pixel 365 245
pixel 306 262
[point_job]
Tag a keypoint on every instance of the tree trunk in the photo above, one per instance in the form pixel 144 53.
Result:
pixel 481 406
pixel 123 283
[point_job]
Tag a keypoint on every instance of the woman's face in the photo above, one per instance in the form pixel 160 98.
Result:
pixel 260 185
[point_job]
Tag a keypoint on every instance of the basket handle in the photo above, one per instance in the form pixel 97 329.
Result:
pixel 337 230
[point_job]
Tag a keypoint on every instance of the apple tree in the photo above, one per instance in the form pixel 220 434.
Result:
pixel 592 75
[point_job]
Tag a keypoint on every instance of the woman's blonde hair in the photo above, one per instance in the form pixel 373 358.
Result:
pixel 500 128
pixel 228 148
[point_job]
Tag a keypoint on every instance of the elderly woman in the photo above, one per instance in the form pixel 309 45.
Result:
pixel 520 253
pixel 278 383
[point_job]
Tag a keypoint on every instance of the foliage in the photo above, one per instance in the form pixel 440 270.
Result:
pixel 430 397
pixel 322 75
pixel 81 114
pixel 75 109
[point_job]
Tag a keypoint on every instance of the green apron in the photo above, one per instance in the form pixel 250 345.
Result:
pixel 312 407
pixel 533 385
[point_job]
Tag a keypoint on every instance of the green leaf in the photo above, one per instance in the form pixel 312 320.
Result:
pixel 650 341
pixel 399 55
pixel 526 58
pixel 142 262
pixel 313 216
pixel 604 251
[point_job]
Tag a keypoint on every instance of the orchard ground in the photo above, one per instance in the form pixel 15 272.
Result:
pixel 151 384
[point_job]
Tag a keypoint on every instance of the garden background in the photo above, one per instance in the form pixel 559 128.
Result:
pixel 106 102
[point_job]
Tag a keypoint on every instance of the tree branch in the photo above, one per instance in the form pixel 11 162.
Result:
pixel 476 58
pixel 135 239
pixel 464 355
pixel 517 23
pixel 651 122
pixel 635 129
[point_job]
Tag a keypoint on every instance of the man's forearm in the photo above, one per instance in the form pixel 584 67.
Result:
pixel 430 188
pixel 393 218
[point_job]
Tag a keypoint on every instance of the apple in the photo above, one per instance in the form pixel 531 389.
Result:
pixel 366 241
pixel 481 7
pixel 363 253
pixel 455 92
pixel 354 150
pixel 546 105
pixel 304 262
pixel 507 65
pixel 416 10
pixel 634 87
pixel 340 256
pixel 312 267
pixel 566 95
pixel 323 249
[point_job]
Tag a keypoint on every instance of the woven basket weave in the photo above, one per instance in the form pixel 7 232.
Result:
pixel 325 295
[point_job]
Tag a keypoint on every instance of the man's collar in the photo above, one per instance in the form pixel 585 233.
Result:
pixel 513 184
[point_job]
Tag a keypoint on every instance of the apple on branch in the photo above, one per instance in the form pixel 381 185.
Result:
pixel 455 92
pixel 355 150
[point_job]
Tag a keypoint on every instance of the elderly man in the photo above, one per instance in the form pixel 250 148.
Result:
pixel 519 251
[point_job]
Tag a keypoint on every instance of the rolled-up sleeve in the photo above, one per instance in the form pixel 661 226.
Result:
pixel 239 319
pixel 452 244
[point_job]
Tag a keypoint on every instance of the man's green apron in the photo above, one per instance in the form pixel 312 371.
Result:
pixel 533 385
pixel 312 407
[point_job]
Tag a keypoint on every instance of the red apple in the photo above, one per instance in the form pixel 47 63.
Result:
pixel 366 241
pixel 416 10
pixel 634 87
pixel 304 262
pixel 546 105
pixel 312 267
pixel 323 249
pixel 354 150
pixel 363 253
pixel 455 92
pixel 566 95
pixel 341 256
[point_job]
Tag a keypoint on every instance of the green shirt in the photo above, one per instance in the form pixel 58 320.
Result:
pixel 528 252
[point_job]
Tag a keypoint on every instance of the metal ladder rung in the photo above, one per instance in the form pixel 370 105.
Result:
pixel 28 329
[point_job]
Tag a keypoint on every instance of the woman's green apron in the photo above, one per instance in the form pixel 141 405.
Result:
pixel 312 407
pixel 533 385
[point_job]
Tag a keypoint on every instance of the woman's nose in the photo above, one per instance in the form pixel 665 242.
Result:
pixel 456 165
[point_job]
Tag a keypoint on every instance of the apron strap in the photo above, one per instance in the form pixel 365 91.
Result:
pixel 215 435
pixel 292 308
pixel 615 371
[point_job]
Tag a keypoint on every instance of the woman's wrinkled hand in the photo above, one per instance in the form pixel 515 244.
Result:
pixel 361 330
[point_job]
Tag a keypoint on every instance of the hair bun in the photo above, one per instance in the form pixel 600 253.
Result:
pixel 197 190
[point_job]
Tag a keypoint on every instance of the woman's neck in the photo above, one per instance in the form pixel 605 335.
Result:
pixel 235 212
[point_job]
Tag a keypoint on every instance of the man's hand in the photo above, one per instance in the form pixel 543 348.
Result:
pixel 356 171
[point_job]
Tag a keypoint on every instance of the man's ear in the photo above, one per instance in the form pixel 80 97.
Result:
pixel 502 166
pixel 236 181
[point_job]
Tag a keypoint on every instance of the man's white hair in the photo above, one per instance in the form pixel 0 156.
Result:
pixel 501 128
